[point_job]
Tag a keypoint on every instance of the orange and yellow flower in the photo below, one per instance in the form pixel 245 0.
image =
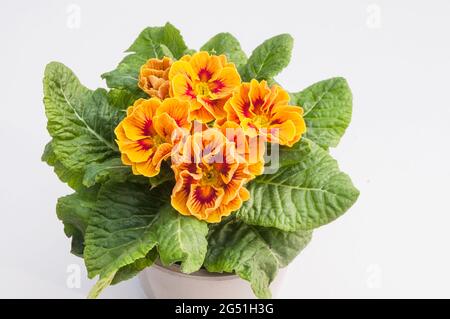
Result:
pixel 149 131
pixel 210 176
pixel 264 111
pixel 206 81
pixel 154 77
pixel 251 149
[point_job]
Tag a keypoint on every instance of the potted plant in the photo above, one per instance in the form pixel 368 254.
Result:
pixel 196 163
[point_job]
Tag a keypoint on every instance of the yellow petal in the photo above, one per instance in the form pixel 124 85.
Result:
pixel 200 114
pixel 139 124
pixel 164 126
pixel 259 94
pixel 147 168
pixel 137 151
pixel 225 82
pixel 240 104
pixel 182 87
pixel 182 68
pixel 178 110
pixel 282 133
pixel 215 107
pixel 206 67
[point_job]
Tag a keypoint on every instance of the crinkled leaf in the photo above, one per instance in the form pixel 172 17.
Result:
pixel 72 177
pixel 131 270
pixel 269 58
pixel 225 43
pixel 122 99
pixel 111 169
pixel 81 123
pixel 74 211
pixel 253 253
pixel 129 220
pixel 153 42
pixel 306 192
pixel 328 110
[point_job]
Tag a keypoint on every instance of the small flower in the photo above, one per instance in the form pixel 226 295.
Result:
pixel 154 77
pixel 265 111
pixel 148 132
pixel 206 81
pixel 210 176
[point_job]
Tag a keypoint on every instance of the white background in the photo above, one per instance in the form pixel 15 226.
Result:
pixel 394 242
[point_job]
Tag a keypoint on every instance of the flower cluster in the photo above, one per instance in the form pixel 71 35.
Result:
pixel 210 126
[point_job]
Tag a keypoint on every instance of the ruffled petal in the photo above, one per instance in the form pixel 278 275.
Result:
pixel 203 199
pixel 281 133
pixel 206 67
pixel 183 88
pixel 178 110
pixel 225 82
pixel 215 107
pixel 139 124
pixel 184 69
pixel 259 94
pixel 165 126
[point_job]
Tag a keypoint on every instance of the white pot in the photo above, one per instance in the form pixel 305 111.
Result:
pixel 169 283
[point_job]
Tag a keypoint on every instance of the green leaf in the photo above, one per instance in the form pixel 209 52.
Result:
pixel 81 123
pixel 74 211
pixel 131 270
pixel 225 43
pixel 328 110
pixel 253 253
pixel 129 220
pixel 153 42
pixel 111 169
pixel 306 192
pixel 269 58
pixel 72 177
pixel 122 99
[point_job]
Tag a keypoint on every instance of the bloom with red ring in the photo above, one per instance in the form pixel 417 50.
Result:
pixel 210 176
pixel 265 111
pixel 206 81
pixel 147 134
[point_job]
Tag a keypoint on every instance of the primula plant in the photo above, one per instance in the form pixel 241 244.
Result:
pixel 169 164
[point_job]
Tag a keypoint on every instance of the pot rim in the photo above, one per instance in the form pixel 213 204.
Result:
pixel 174 269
